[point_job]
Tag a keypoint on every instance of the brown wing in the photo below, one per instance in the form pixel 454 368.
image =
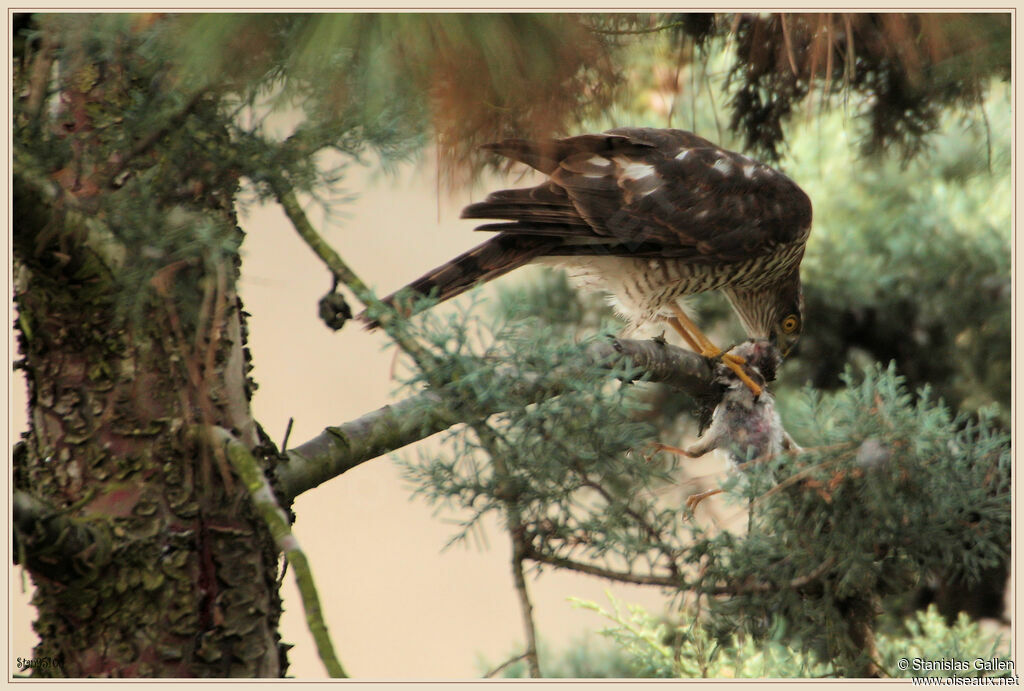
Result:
pixel 647 192
pixel 628 192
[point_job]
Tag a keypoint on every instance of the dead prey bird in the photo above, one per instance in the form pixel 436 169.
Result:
pixel 746 426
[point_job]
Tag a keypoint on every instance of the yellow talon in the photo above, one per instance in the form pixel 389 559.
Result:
pixel 737 367
pixel 700 343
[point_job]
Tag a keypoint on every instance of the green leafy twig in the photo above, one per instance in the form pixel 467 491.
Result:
pixel 173 122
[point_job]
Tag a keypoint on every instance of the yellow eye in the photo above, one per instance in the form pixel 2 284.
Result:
pixel 790 323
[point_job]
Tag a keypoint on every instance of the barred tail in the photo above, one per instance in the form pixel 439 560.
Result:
pixel 485 262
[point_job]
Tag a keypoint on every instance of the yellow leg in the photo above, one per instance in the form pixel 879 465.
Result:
pixel 700 343
pixel 681 330
pixel 694 499
pixel 658 446
pixel 705 346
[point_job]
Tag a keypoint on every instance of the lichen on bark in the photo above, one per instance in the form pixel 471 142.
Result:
pixel 131 333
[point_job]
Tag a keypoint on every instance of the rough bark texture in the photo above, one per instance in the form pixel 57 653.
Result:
pixel 171 573
pixel 188 587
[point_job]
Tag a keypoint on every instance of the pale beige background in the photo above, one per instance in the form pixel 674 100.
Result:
pixel 397 606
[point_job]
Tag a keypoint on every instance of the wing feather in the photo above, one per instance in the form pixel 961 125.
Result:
pixel 638 186
pixel 633 192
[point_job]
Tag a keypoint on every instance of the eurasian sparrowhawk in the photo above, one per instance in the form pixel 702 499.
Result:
pixel 649 215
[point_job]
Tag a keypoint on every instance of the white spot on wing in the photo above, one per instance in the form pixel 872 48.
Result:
pixel 748 170
pixel 682 154
pixel 597 167
pixel 636 179
pixel 723 166
pixel 634 170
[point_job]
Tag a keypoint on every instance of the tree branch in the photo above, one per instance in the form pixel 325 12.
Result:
pixel 503 665
pixel 273 515
pixel 342 271
pixel 42 68
pixel 514 525
pixel 525 608
pixel 765 587
pixel 602 572
pixel 675 582
pixel 339 449
pixel 50 542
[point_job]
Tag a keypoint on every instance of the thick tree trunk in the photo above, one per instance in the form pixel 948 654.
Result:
pixel 146 553
pixel 182 577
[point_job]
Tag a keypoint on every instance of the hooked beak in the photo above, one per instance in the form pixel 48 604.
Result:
pixel 784 346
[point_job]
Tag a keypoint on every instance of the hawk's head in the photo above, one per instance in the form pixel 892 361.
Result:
pixel 787 314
